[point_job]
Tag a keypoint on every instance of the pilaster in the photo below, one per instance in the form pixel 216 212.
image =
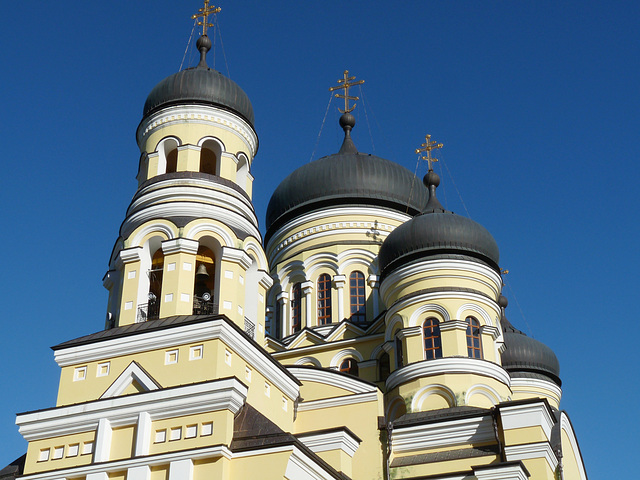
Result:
pixel 128 263
pixel 178 277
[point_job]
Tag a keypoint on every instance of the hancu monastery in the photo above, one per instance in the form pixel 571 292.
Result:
pixel 364 338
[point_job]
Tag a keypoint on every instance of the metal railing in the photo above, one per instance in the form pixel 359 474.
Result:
pixel 249 328
pixel 148 311
pixel 204 307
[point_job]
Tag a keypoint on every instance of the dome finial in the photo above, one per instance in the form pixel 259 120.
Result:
pixel 431 179
pixel 204 44
pixel 347 121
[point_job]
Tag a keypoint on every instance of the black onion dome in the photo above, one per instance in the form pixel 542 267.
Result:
pixel 200 85
pixel 437 231
pixel 345 178
pixel 526 356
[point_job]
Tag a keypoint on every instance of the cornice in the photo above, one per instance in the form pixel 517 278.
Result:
pixel 333 379
pixel 338 401
pixel 180 245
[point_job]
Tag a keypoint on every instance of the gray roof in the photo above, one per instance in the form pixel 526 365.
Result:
pixel 200 85
pixel 345 178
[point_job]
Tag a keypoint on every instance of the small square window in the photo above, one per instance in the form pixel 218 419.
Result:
pixel 72 450
pixel 227 357
pixel 161 436
pixel 44 455
pixel 195 352
pixel 267 389
pixel 175 434
pixel 284 403
pixel 80 373
pixel 87 448
pixel 247 374
pixel 58 452
pixel 103 369
pixel 207 429
pixel 191 431
pixel 171 357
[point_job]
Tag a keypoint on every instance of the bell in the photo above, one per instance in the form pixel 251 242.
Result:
pixel 201 273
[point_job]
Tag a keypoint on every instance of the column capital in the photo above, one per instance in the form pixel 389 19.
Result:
pixel 179 245
pixel 235 255
pixel 339 281
pixel 284 296
pixel 453 325
pixel 128 255
pixel 373 281
pixel 490 330
pixel 307 287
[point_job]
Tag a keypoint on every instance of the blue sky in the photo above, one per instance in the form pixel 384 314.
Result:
pixel 536 102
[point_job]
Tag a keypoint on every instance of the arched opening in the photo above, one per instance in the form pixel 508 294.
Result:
pixel 242 171
pixel 350 366
pixel 324 299
pixel 384 367
pixel 209 156
pixel 431 337
pixel 172 161
pixel 474 341
pixel 357 299
pixel 155 285
pixel 203 290
pixel 296 308
pixel 168 156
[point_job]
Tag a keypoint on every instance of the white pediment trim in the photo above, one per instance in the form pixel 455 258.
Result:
pixel 133 373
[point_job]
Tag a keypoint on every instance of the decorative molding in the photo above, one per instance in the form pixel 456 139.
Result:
pixel 477 309
pixel 304 361
pixel 422 311
pixel 565 425
pixel 198 332
pixel 346 353
pixel 453 325
pixel 338 401
pixel 494 332
pixel 216 395
pixel 409 332
pixel 180 245
pixel 130 374
pixel 475 430
pixel 301 467
pixel 333 379
pixel 525 415
pixel 120 465
pixel 521 383
pixel 435 389
pixel 128 255
pixel 531 451
pixel 510 471
pixel 339 281
pixel 326 441
pixel 448 365
pixel 237 256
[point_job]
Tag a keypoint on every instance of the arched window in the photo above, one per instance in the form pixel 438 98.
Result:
pixel 208 158
pixel 155 285
pixel 384 367
pixel 357 297
pixel 203 301
pixel 324 299
pixel 296 308
pixel 350 366
pixel 431 336
pixel 474 341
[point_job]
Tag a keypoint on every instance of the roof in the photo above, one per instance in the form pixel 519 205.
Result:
pixel 344 178
pixel 200 85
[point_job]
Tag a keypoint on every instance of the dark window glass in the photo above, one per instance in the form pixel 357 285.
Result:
pixel 324 299
pixel 349 366
pixel 474 343
pixel 431 336
pixel 296 302
pixel 384 367
pixel 399 355
pixel 357 297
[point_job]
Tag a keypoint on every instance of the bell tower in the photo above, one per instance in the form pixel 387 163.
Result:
pixel 189 243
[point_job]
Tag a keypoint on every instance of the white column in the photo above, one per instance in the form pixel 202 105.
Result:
pixel 143 434
pixel 181 470
pixel 103 441
pixel 374 283
pixel 339 282
pixel 282 300
pixel 141 472
pixel 307 288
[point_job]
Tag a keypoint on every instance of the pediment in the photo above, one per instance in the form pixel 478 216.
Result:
pixel 134 379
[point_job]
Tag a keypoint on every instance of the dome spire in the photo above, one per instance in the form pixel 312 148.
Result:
pixel 204 43
pixel 347 121
pixel 431 179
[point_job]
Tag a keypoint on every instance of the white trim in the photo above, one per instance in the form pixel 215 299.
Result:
pixel 342 354
pixel 217 395
pixel 327 441
pixel 338 401
pixel 527 415
pixel 304 360
pixel 341 329
pixel 391 325
pixel 435 389
pixel 416 317
pixel 474 308
pixel 449 365
pixel 532 451
pixel 500 472
pixel 119 465
pixel 130 374
pixel 237 256
pixel 565 425
pixel 216 329
pixel 159 226
pixel 485 390
pixel 210 227
pixel 332 378
pixel 179 245
pixel 521 383
pixel 474 430
pixel 302 467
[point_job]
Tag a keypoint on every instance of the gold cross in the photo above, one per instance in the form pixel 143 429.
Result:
pixel 427 146
pixel 346 83
pixel 204 13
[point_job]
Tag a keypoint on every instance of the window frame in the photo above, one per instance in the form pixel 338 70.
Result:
pixel 431 338
pixel 324 299
pixel 474 338
pixel 296 307
pixel 357 301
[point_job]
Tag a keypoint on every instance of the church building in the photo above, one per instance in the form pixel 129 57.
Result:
pixel 364 337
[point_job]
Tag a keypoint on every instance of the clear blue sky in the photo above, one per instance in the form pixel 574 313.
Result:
pixel 537 104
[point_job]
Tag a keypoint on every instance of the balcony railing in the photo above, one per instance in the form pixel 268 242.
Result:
pixel 249 328
pixel 148 311
pixel 204 307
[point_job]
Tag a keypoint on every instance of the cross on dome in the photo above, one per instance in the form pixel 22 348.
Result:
pixel 427 146
pixel 204 13
pixel 346 82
